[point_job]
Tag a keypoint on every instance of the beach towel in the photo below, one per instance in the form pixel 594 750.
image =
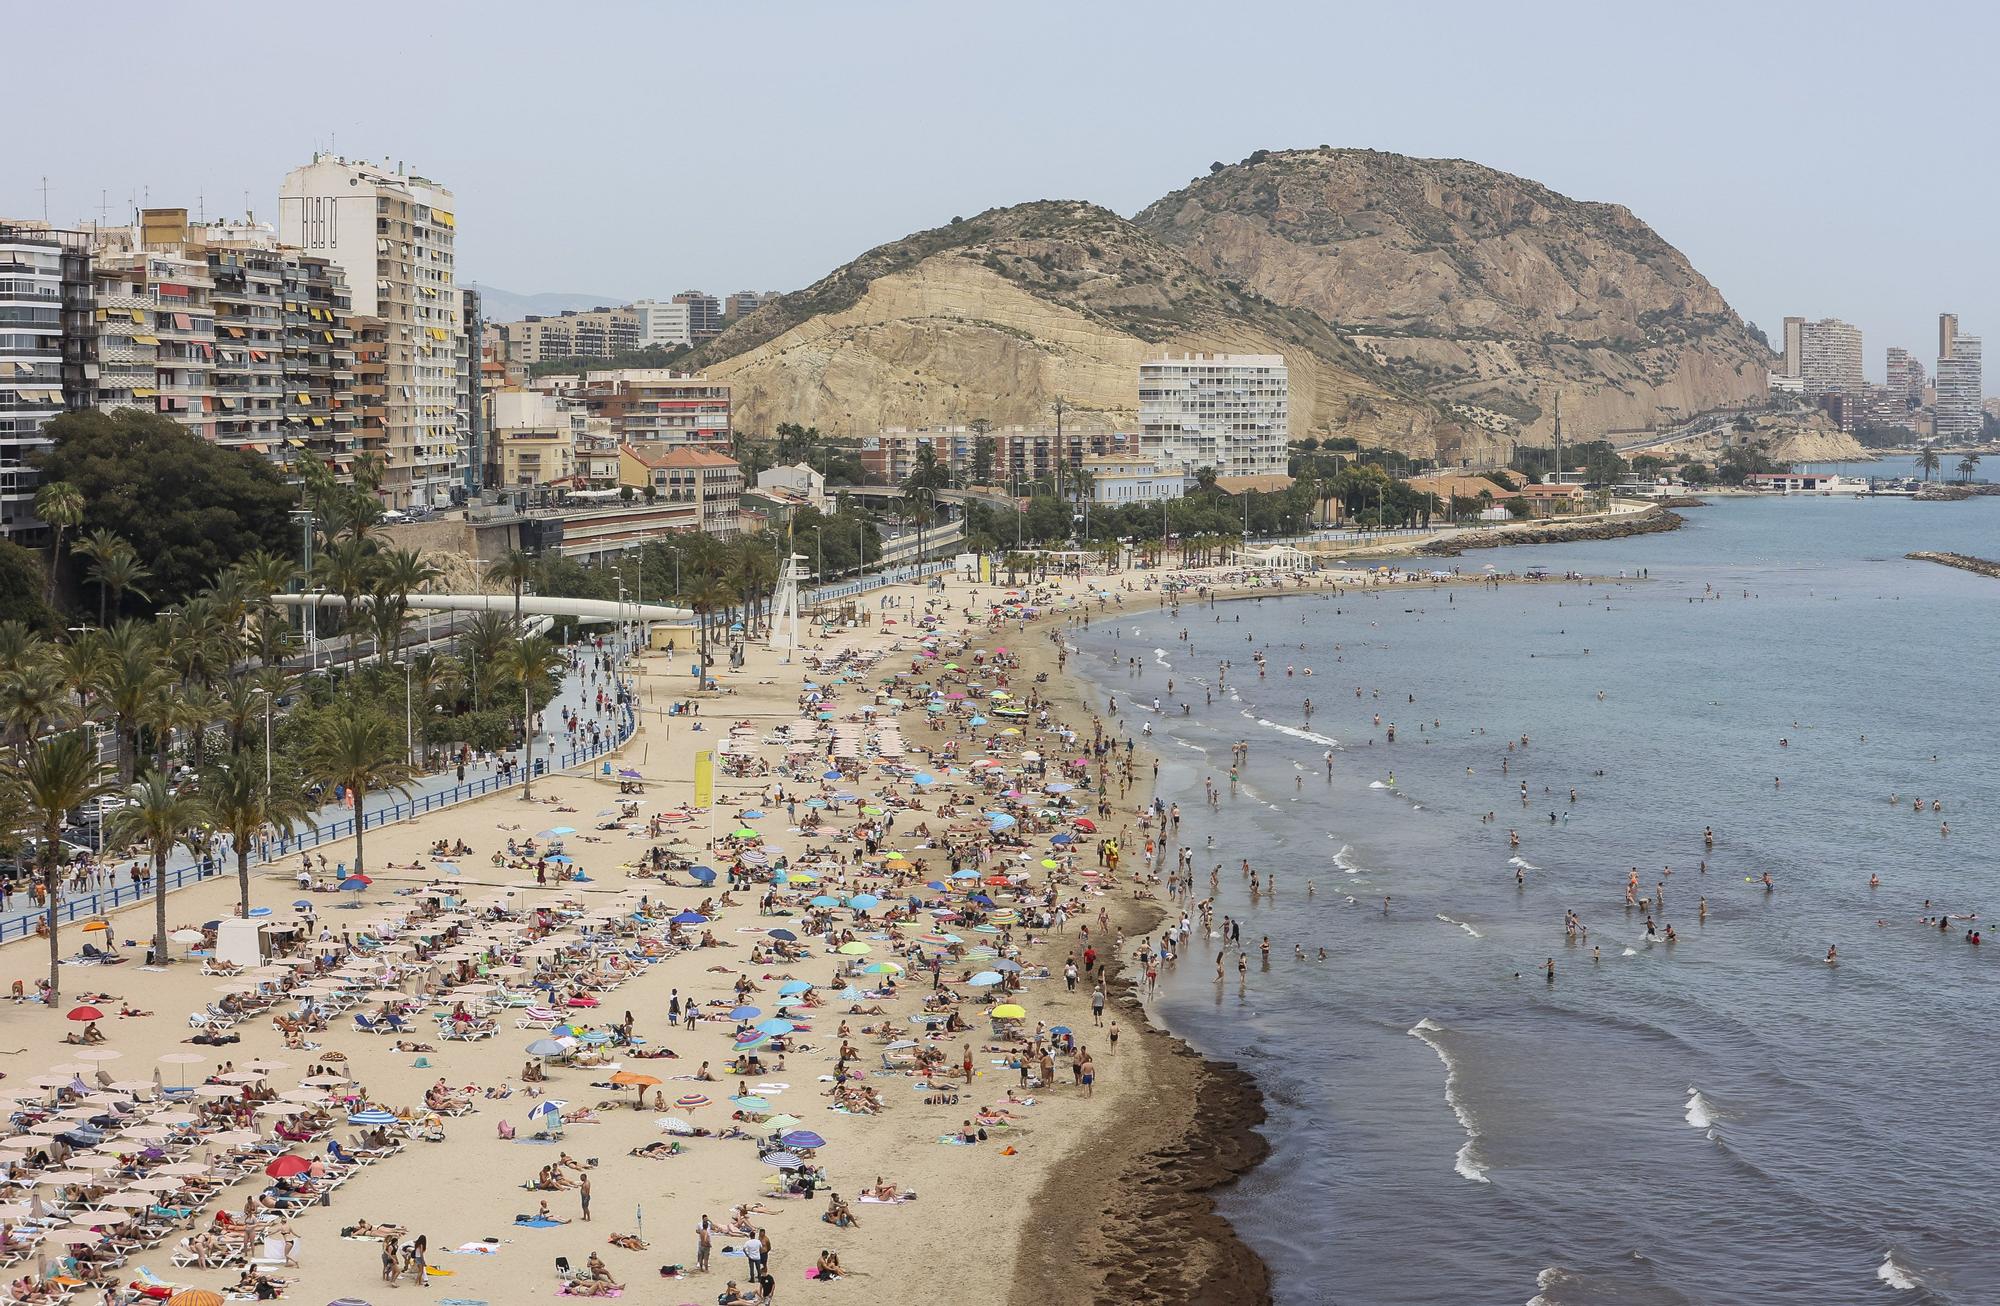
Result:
pixel 953 1140
pixel 537 1224
pixel 608 1292
pixel 461 1301
pixel 885 1201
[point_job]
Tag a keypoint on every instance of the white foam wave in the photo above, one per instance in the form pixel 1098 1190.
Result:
pixel 1895 1275
pixel 1346 862
pixel 1465 1161
pixel 1377 784
pixel 1461 924
pixel 1629 952
pixel 1182 743
pixel 1547 1279
pixel 1700 1111
pixel 1160 656
pixel 1297 733
pixel 1523 863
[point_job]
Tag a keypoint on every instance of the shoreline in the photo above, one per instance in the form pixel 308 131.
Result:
pixel 1145 1196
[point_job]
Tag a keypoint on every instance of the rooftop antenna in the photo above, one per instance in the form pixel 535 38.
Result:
pixel 103 206
pixel 45 199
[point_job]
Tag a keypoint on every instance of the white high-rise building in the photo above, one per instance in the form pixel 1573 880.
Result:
pixel 1958 414
pixel 1230 412
pixel 393 233
pixel 1830 357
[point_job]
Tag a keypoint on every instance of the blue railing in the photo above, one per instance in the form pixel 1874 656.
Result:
pixel 848 589
pixel 98 902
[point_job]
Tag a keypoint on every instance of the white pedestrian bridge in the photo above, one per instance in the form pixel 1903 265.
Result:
pixel 586 611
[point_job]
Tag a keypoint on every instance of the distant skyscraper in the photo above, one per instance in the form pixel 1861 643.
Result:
pixel 1958 413
pixel 393 233
pixel 1830 357
pixel 1947 334
pixel 1906 377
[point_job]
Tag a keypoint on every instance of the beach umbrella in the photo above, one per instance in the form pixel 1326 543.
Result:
pixel 863 901
pixel 287 1165
pixel 752 815
pixel 823 900
pixel 1008 1011
pixel 783 1160
pixel 691 1100
pixel 633 1079
pixel 702 874
pixel 786 935
pixel 790 987
pixel 689 918
pixel 984 979
pixel 882 968
pixel 675 1125
pixel 355 883
pixel 852 994
pixel 750 1040
pixel 751 1102
pixel 85 1013
pixel 967 874
pixel 776 1025
pixel 195 1297
pixel 802 1138
pixel 854 949
pixel 745 1013
pixel 556 832
pixel 780 1123
pixel 545 1047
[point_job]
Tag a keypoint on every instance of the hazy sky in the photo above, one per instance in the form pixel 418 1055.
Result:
pixel 1826 159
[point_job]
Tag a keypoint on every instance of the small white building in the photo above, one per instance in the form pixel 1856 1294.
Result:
pixel 1120 479
pixel 797 484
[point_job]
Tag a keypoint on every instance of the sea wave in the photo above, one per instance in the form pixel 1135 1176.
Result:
pixel 1701 1113
pixel 1547 1279
pixel 1344 859
pixel 1461 924
pixel 1297 733
pixel 1522 863
pixel 1895 1275
pixel 1466 1161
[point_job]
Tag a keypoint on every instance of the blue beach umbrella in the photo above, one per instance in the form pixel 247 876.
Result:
pixel 353 884
pixel 824 900
pixel 790 987
pixel 967 874
pixel 786 935
pixel 802 1138
pixel 984 979
pixel 689 918
pixel 372 1116
pixel 753 815
pixel 775 1026
pixel 863 901
pixel 923 778
pixel 746 1013
pixel 702 874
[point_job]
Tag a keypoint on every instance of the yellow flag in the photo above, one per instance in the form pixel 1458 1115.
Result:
pixel 704 778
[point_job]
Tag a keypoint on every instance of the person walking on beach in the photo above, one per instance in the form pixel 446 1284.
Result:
pixel 1097 1005
pixel 583 1195
pixel 1088 1069
pixel 966 1064
pixel 704 1243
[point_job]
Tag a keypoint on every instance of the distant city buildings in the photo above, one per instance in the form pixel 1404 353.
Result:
pixel 1227 412
pixel 1830 357
pixel 596 333
pixel 745 302
pixel 47 354
pixel 663 325
pixel 704 314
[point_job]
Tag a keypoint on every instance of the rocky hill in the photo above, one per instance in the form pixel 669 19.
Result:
pixel 1432 306
pixel 998 315
pixel 1489 292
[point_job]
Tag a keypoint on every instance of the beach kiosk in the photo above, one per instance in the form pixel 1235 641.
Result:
pixel 243 941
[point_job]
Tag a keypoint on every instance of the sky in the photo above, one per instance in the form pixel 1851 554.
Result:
pixel 1826 159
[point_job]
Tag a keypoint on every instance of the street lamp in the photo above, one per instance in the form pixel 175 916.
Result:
pixel 265 694
pixel 819 554
pixel 409 719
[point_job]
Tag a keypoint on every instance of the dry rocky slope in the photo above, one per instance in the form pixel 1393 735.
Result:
pixel 1431 306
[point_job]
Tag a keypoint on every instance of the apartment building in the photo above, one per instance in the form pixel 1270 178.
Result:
pixel 1958 413
pixel 680 473
pixel 1118 480
pixel 598 333
pixel 47 354
pixel 1013 458
pixel 534 438
pixel 393 234
pixel 1229 412
pixel 664 325
pixel 656 405
pixel 1830 357
pixel 468 383
pixel 745 302
pixel 704 314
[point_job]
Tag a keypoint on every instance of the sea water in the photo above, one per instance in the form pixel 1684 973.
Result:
pixel 1727 1118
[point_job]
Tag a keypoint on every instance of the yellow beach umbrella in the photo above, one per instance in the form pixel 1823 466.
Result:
pixel 856 949
pixel 1009 1011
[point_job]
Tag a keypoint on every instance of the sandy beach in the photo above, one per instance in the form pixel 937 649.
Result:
pixel 1070 1190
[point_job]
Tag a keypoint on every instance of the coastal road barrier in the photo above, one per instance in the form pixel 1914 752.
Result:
pixel 85 906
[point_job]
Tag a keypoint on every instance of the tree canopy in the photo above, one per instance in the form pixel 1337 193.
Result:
pixel 188 508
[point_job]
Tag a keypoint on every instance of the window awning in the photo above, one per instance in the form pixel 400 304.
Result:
pixel 183 321
pixel 305 398
pixel 443 218
pixel 139 316
pixel 236 331
pixel 145 340
pixel 295 442
pixel 142 392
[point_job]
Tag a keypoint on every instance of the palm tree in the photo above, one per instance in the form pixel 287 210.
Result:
pixel 158 816
pixel 348 569
pixel 710 596
pixel 513 569
pixel 240 708
pixel 59 774
pixel 400 573
pixel 60 504
pixel 480 645
pixel 1927 458
pixel 118 572
pixel 133 678
pixel 531 660
pixel 1967 465
pixel 361 751
pixel 242 806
